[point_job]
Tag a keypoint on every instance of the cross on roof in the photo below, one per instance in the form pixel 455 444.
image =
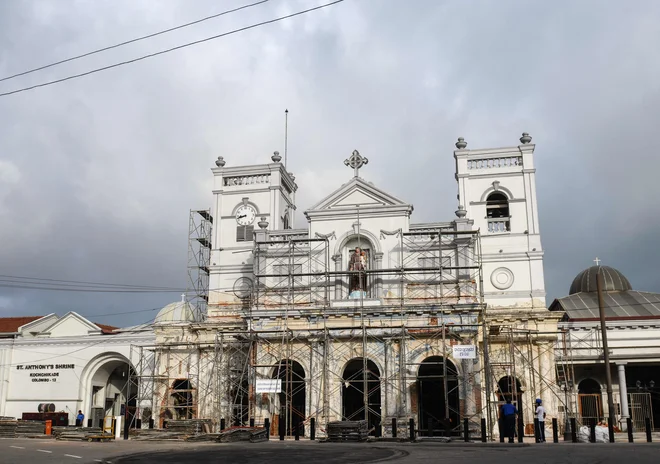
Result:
pixel 356 161
pixel 597 261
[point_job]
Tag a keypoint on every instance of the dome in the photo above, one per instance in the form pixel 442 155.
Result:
pixel 181 311
pixel 613 281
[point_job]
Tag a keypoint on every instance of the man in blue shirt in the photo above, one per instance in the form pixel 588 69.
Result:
pixel 509 412
pixel 80 418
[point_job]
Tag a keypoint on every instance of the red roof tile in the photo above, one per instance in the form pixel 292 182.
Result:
pixel 11 324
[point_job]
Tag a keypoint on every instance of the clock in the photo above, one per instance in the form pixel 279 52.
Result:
pixel 245 215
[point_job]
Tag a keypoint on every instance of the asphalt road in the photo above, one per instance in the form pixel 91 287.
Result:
pixel 27 451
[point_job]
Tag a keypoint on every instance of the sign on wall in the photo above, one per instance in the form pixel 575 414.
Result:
pixel 464 351
pixel 269 386
pixel 44 373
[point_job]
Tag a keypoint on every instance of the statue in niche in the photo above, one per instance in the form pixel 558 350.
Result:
pixel 357 262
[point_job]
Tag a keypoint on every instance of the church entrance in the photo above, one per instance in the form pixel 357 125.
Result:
pixel 437 396
pixel 361 393
pixel 292 398
pixel 509 388
pixel 590 401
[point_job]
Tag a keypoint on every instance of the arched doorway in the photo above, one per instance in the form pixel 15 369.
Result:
pixel 113 388
pixel 590 401
pixel 509 388
pixel 361 381
pixel 292 397
pixel 182 399
pixel 437 396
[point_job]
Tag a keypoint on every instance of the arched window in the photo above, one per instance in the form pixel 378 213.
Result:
pixel 497 213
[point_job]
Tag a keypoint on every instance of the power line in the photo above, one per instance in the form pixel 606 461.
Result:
pixel 133 40
pixel 75 76
pixel 39 280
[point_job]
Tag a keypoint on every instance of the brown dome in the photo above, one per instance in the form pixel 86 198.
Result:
pixel 613 280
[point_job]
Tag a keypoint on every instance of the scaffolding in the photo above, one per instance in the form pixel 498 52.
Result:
pixel 200 225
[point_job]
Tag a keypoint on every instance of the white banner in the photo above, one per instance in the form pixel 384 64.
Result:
pixel 465 351
pixel 268 386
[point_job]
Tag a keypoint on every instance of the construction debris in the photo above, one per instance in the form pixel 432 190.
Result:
pixel 28 428
pixel 339 431
pixel 190 426
pixel 8 427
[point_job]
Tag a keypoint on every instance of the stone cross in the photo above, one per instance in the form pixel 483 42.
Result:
pixel 597 261
pixel 356 161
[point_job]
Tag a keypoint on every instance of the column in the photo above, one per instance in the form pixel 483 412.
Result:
pixel 623 393
pixel 378 281
pixel 338 278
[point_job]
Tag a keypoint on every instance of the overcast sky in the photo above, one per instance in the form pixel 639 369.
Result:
pixel 98 174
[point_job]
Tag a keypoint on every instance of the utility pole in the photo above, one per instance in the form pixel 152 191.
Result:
pixel 606 354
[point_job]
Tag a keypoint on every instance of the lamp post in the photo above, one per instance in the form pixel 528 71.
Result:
pixel 606 354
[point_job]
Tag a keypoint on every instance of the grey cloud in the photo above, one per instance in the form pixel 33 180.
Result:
pixel 110 164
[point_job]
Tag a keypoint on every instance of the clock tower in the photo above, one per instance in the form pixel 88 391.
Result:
pixel 245 199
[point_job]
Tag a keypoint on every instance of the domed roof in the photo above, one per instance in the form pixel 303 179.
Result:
pixel 613 281
pixel 173 313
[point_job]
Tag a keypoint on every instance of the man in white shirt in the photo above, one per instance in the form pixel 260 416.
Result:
pixel 540 415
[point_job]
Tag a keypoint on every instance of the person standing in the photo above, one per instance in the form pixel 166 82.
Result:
pixel 80 419
pixel 509 413
pixel 540 416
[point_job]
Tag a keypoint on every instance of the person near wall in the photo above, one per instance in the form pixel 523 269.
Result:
pixel 80 419
pixel 540 415
pixel 509 413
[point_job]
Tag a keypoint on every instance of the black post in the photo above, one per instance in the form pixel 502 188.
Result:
pixel 312 429
pixel 610 428
pixel 126 427
pixel 222 424
pixel 573 430
pixel 151 423
pixel 521 429
pixel 537 430
pixel 267 427
pixel 555 430
pixel 138 423
pixel 500 425
pixel 297 432
pixel 411 426
pixel 89 422
pixel 592 432
pixel 394 430
pixel 466 430
pixel 648 429
pixel 281 429
pixel 251 421
pixel 629 426
pixel 101 424
pixel 430 426
pixel 484 438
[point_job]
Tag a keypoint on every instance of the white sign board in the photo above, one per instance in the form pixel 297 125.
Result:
pixel 465 351
pixel 269 386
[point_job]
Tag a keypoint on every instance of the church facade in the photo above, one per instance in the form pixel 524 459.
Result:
pixel 363 313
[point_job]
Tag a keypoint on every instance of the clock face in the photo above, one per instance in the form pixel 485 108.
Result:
pixel 245 215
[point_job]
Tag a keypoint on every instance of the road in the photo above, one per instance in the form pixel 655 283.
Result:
pixel 34 451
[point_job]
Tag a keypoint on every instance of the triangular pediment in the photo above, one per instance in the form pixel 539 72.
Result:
pixel 357 192
pixel 71 324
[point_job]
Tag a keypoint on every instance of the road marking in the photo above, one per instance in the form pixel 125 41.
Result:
pixel 44 451
pixel 17 447
pixel 73 456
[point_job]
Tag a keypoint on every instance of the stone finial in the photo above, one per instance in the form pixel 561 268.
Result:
pixel 220 162
pixel 292 176
pixel 461 212
pixel 263 224
pixel 461 144
pixel 276 157
pixel 525 139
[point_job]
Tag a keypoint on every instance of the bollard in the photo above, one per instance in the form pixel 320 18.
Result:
pixel 251 421
pixel 127 426
pixel 411 427
pixel 521 429
pixel 484 438
pixel 297 432
pixel 429 432
pixel 573 430
pixel 610 428
pixel 629 426
pixel 222 424
pixel 555 430
pixel 592 432
pixel 89 423
pixel 151 423
pixel 101 423
pixel 537 430
pixel 394 430
pixel 648 429
pixel 49 427
pixel 267 427
pixel 138 423
pixel 281 429
pixel 500 425
pixel 312 429
pixel 466 430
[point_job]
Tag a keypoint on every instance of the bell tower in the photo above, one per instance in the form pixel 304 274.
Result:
pixel 246 198
pixel 497 188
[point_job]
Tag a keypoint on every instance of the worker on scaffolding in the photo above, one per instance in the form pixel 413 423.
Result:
pixel 509 413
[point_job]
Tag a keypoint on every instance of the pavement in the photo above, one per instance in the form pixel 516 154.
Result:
pixel 38 451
